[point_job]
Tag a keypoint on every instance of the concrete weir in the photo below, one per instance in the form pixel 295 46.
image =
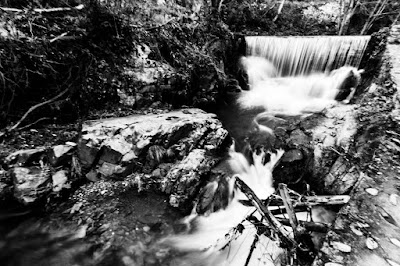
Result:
pixel 367 229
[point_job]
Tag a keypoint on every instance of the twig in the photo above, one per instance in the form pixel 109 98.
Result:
pixel 252 248
pixel 58 37
pixel 162 25
pixel 42 10
pixel 34 123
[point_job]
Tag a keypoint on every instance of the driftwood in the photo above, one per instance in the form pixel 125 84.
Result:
pixel 275 225
pixel 288 203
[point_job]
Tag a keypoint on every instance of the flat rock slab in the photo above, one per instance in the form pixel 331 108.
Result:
pixel 188 141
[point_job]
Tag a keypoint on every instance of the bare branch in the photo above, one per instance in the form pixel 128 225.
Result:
pixel 14 127
pixel 42 10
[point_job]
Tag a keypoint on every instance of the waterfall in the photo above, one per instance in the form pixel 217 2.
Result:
pixel 286 75
pixel 303 55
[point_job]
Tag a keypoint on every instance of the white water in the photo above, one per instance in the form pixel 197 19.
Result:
pixel 215 241
pixel 303 55
pixel 296 95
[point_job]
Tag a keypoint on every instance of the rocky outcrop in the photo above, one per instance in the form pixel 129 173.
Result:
pixel 172 153
pixel 174 150
pixel 34 174
pixel 315 148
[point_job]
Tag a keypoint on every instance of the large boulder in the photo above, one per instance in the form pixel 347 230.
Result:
pixel 174 150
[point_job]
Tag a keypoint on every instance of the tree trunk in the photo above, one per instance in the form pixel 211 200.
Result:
pixel 378 9
pixel 344 26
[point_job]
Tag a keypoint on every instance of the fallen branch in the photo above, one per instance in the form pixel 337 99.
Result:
pixel 309 226
pixel 287 202
pixel 42 10
pixel 33 108
pixel 276 226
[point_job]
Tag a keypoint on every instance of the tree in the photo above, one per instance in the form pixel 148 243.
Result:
pixel 372 11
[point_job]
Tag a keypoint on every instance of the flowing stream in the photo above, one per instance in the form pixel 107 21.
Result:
pixel 287 76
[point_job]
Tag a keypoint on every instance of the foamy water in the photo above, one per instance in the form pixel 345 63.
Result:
pixel 225 237
pixel 299 94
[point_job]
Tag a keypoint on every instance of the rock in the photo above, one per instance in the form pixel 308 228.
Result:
pixel 341 246
pixel 292 155
pixel 371 243
pixel 183 180
pixel 30 183
pixel 372 191
pixel 341 178
pixel 334 132
pixel 395 241
pixel 298 139
pixel 25 157
pixel 60 179
pixel 175 149
pixel 5 191
pixel 180 131
pixel 60 153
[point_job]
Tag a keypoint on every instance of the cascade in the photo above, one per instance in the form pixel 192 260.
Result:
pixel 304 55
pixel 289 76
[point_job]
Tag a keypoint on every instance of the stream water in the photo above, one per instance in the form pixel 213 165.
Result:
pixel 287 77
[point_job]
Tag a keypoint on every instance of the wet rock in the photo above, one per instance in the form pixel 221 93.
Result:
pixel 299 139
pixel 61 153
pixel 30 183
pixel 292 155
pixel 183 180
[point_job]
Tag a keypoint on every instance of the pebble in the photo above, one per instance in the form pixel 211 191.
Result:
pixel 371 243
pixel 393 199
pixel 341 246
pixel 395 242
pixel 355 230
pixel 392 263
pixel 372 191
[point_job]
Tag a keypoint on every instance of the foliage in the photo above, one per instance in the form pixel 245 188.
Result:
pixel 44 54
pixel 367 17
pixel 257 18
